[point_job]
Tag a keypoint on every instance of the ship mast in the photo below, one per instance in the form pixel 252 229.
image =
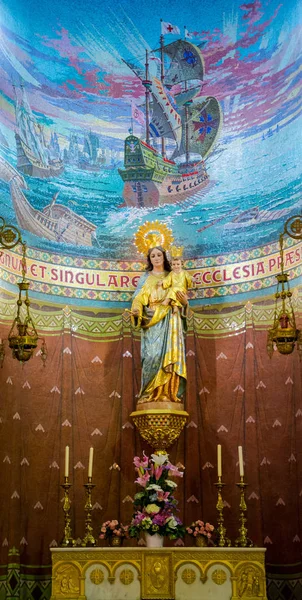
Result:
pixel 186 119
pixel 162 77
pixel 147 84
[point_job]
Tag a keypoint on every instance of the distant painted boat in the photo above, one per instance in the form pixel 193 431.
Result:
pixel 270 132
pixel 247 215
pixel 34 157
pixel 89 159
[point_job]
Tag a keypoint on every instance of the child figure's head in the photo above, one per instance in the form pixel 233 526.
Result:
pixel 177 265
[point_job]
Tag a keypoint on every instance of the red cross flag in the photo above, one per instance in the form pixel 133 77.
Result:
pixel 169 28
pixel 137 114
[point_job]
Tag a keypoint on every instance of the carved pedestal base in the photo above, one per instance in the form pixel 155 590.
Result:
pixel 160 427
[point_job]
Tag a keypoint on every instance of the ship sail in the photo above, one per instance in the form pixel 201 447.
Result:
pixel 186 64
pixel 204 122
pixel 186 96
pixel 166 121
pixel 31 133
pixel 91 146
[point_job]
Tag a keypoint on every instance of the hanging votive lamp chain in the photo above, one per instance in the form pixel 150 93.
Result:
pixel 284 333
pixel 23 337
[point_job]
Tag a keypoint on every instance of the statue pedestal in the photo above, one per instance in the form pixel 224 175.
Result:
pixel 161 573
pixel 160 427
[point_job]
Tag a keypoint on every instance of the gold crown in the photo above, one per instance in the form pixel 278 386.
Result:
pixel 152 234
pixel 176 251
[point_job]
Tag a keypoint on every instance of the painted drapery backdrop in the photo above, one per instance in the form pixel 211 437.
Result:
pixel 71 92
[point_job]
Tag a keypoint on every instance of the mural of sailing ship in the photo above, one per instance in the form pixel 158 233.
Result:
pixel 186 120
pixel 72 153
pixel 34 156
pixel 89 159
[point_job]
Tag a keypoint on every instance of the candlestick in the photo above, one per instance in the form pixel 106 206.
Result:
pixel 223 540
pixel 67 539
pixel 219 462
pixel 90 463
pixel 66 473
pixel 88 539
pixel 240 456
pixel 243 540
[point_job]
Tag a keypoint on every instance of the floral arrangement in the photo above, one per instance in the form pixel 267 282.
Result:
pixel 109 529
pixel 155 504
pixel 198 528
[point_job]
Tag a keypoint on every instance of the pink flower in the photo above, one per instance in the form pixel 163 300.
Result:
pixel 158 472
pixel 195 533
pixel 174 470
pixel 143 480
pixel 190 530
pixel 138 462
pixel 163 496
pixel 102 536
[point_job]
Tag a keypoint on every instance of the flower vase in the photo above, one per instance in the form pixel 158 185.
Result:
pixel 115 541
pixel 154 541
pixel 201 541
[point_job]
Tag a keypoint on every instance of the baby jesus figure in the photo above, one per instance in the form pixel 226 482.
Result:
pixel 178 280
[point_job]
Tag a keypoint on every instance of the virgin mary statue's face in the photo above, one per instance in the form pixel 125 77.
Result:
pixel 157 258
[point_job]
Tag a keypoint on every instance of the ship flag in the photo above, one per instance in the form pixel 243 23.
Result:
pixel 169 28
pixel 137 114
pixel 188 34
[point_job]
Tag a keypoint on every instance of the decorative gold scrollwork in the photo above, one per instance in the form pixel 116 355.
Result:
pixel 97 576
pixel 219 576
pixel 10 236
pixel 188 576
pixel 127 576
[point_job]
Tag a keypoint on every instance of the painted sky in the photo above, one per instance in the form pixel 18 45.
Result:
pixel 69 56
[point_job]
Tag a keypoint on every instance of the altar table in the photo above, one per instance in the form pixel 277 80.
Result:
pixel 158 574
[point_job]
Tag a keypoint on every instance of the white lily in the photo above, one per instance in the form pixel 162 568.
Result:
pixel 159 459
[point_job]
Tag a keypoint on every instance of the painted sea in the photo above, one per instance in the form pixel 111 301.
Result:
pixel 253 189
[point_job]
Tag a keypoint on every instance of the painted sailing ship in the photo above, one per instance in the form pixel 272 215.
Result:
pixel 55 222
pixel 187 124
pixel 89 159
pixel 34 156
pixel 71 154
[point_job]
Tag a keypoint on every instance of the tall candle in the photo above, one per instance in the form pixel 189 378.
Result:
pixel 90 462
pixel 241 468
pixel 66 461
pixel 219 464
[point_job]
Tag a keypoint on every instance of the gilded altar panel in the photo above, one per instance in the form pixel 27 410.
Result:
pixel 158 574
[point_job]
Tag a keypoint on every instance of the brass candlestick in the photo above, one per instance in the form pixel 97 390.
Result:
pixel 243 540
pixel 67 539
pixel 223 540
pixel 88 539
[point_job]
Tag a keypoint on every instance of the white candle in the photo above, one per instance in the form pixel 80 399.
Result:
pixel 90 462
pixel 66 461
pixel 241 468
pixel 219 463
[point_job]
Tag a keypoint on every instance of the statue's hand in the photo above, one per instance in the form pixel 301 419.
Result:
pixel 183 298
pixel 135 312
